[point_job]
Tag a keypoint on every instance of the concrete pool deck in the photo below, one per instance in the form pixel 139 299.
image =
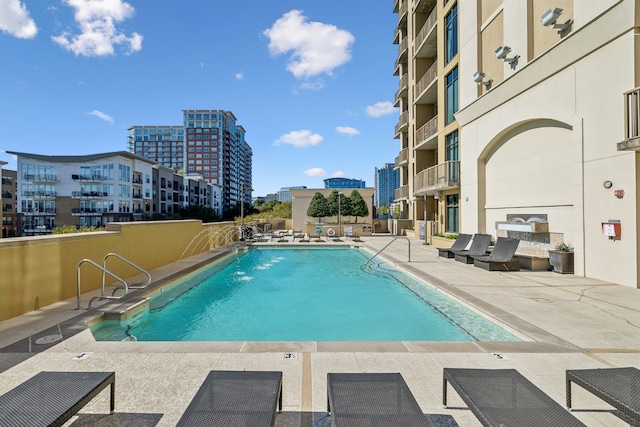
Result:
pixel 572 323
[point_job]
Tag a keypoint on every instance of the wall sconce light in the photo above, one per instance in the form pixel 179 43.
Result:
pixel 436 195
pixel 478 77
pixel 502 52
pixel 551 16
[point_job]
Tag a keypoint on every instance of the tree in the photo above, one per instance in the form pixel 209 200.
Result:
pixel 332 203
pixel 318 207
pixel 358 205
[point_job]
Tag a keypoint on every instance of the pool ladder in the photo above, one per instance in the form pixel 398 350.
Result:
pixel 104 270
pixel 386 246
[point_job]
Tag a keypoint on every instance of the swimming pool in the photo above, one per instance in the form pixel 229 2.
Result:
pixel 302 294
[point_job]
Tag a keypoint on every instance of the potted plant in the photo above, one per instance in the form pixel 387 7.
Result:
pixel 561 259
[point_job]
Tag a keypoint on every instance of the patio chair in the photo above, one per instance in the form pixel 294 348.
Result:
pixel 372 399
pixel 619 387
pixel 503 397
pixel 236 398
pixel 478 247
pixel 52 398
pixel 459 245
pixel 501 257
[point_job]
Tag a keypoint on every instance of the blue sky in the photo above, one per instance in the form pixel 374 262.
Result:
pixel 310 81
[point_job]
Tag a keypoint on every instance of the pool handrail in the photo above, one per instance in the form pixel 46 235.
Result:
pixel 104 265
pixel 386 246
pixel 103 296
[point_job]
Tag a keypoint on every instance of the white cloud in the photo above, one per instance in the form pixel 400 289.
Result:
pixel 239 76
pixel 98 33
pixel 347 130
pixel 99 114
pixel 380 109
pixel 15 20
pixel 311 86
pixel 338 174
pixel 315 172
pixel 315 47
pixel 300 138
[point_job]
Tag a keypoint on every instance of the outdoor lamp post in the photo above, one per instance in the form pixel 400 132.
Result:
pixel 339 213
pixel 242 193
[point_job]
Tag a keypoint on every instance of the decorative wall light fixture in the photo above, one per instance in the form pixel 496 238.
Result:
pixel 502 52
pixel 478 77
pixel 551 16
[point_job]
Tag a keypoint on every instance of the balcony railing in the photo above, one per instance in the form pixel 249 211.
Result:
pixel 88 211
pixel 88 194
pixel 40 212
pixel 403 157
pixel 38 194
pixel 427 131
pixel 631 121
pixel 426 81
pixel 402 88
pixel 403 122
pixel 39 177
pixel 137 180
pixel 439 177
pixel 402 192
pixel 90 177
pixel 404 45
pixel 427 28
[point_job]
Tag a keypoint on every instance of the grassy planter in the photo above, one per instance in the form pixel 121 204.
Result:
pixel 561 261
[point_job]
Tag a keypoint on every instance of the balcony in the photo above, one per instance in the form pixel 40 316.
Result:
pixel 88 194
pixel 137 180
pixel 631 121
pixel 426 88
pixel 403 49
pixel 39 194
pixel 427 39
pixel 443 176
pixel 403 158
pixel 403 89
pixel 137 195
pixel 426 135
pixel 88 178
pixel 402 192
pixel 39 177
pixel 88 211
pixel 402 14
pixel 39 212
pixel 403 122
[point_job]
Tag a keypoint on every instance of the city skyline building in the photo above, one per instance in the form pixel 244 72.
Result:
pixel 8 201
pixel 386 181
pixel 162 144
pixel 344 183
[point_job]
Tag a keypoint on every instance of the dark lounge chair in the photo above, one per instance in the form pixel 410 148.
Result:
pixel 503 397
pixel 372 399
pixel 236 398
pixel 459 245
pixel 619 387
pixel 501 257
pixel 52 398
pixel 478 247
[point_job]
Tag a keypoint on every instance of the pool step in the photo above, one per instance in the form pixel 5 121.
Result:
pixel 124 310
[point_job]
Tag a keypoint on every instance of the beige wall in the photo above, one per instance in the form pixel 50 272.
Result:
pixel 300 204
pixel 544 140
pixel 38 271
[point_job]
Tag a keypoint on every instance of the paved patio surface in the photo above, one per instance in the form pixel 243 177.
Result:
pixel 570 322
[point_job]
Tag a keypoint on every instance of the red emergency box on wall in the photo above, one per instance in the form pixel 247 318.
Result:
pixel 611 229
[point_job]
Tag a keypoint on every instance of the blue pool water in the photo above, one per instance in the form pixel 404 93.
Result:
pixel 314 294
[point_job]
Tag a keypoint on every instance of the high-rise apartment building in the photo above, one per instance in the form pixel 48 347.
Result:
pixel 428 65
pixel 524 111
pixel 216 150
pixel 386 181
pixel 162 144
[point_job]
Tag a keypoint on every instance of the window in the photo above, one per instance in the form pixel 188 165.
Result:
pixel 451 154
pixel 452 213
pixel 452 95
pixel 451 33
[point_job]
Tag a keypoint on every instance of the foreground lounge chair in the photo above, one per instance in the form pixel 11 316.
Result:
pixel 372 399
pixel 459 245
pixel 503 397
pixel 52 398
pixel 501 257
pixel 619 387
pixel 236 398
pixel 478 247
